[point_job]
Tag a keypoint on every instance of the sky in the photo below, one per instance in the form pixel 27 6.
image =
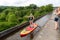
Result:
pixel 28 2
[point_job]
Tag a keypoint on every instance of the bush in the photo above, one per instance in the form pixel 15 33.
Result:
pixel 2 17
pixel 20 20
pixel 6 25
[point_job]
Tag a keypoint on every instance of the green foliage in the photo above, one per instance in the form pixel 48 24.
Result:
pixel 20 20
pixel 6 25
pixel 32 6
pixel 36 14
pixel 2 17
pixel 42 8
pixel 2 8
pixel 49 7
pixel 25 18
pixel 11 16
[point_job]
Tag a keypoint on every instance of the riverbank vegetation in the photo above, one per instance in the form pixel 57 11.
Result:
pixel 11 16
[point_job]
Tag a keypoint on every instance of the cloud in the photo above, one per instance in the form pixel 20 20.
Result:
pixel 28 2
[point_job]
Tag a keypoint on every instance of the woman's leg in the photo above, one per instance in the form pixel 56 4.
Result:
pixel 56 25
pixel 31 23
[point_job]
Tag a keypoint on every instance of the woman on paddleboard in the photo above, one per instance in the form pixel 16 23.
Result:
pixel 31 19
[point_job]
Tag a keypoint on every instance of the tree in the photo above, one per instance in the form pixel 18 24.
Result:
pixel 49 8
pixel 12 18
pixel 2 8
pixel 32 6
pixel 42 8
pixel 36 14
pixel 2 17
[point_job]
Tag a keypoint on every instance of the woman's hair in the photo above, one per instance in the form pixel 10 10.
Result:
pixel 58 9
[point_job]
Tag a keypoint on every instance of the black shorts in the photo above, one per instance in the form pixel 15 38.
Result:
pixel 56 19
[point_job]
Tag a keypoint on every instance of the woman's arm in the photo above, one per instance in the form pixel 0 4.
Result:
pixel 33 17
